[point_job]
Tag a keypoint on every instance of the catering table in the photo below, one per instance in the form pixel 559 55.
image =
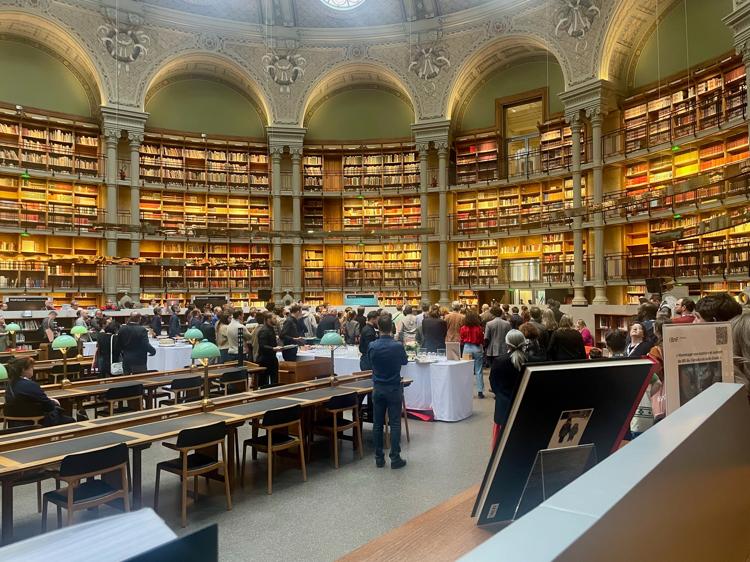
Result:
pixel 445 387
pixel 167 358
pixel 345 359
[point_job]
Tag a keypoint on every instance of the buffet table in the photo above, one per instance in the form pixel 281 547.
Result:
pixel 167 358
pixel 445 387
pixel 345 359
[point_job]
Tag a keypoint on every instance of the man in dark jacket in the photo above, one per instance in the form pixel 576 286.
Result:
pixel 536 321
pixel 361 318
pixel 174 323
pixel 367 335
pixel 267 348
pixel 289 334
pixel 328 321
pixel 134 345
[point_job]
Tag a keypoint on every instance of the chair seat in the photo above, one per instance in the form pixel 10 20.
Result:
pixel 87 491
pixel 276 439
pixel 196 461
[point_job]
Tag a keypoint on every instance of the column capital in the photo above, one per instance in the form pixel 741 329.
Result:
pixel 111 134
pixel 281 136
pixel 135 140
pixel 295 152
pixel 591 98
pixel 442 147
pixel 123 119
pixel 423 148
pixel 276 151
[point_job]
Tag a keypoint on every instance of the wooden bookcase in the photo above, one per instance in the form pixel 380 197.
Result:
pixel 40 142
pixel 313 267
pixel 232 164
pixel 394 298
pixel 312 214
pixel 555 145
pixel 189 213
pixel 384 265
pixel 477 262
pixel 477 157
pixel 605 323
pixel 701 100
pixel 381 212
pixel 337 168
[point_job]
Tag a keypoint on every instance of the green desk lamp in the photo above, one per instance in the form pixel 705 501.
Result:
pixel 3 373
pixel 12 329
pixel 64 342
pixel 77 332
pixel 193 335
pixel 204 351
pixel 333 340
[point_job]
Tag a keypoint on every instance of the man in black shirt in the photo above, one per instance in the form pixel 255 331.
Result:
pixel 328 321
pixel 367 335
pixel 361 318
pixel 134 345
pixel 290 333
pixel 267 349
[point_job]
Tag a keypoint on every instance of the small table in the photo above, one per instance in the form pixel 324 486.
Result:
pixel 167 358
pixel 345 359
pixel 445 387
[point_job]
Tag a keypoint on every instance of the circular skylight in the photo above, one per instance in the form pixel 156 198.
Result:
pixel 343 4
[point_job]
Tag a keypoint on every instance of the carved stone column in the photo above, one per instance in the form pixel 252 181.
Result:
pixel 579 298
pixel 276 153
pixel 424 186
pixel 296 153
pixel 135 140
pixel 600 287
pixel 111 137
pixel 442 150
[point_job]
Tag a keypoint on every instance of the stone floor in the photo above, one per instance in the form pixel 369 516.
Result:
pixel 332 513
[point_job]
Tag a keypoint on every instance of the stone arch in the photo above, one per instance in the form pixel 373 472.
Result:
pixel 60 42
pixel 349 75
pixel 495 54
pixel 211 66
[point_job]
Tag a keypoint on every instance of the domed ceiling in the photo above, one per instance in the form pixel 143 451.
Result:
pixel 323 13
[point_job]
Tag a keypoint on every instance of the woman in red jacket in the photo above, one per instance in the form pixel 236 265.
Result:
pixel 472 338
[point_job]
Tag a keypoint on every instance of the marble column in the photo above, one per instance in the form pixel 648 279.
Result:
pixel 111 137
pixel 276 153
pixel 424 186
pixel 296 154
pixel 135 140
pixel 578 291
pixel 442 150
pixel 600 285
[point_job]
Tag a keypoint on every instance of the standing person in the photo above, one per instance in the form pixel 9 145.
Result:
pixel 328 321
pixel 555 308
pixel 398 317
pixel 222 341
pixel 683 310
pixel 156 322
pixel 425 309
pixel 207 328
pixel 433 331
pixel 638 346
pixel 350 328
pixel 515 318
pixel 134 345
pixel 368 335
pixel 81 318
pixel 107 348
pixel 290 333
pixel 3 335
pixel 361 318
pixel 387 357
pixel 408 331
pixel 494 334
pixel 588 339
pixel 25 398
pixel 267 348
pixel 310 322
pixel 505 377
pixel 454 321
pixel 535 353
pixel 49 326
pixel 233 338
pixel 486 315
pixel 617 343
pixel 566 343
pixel 536 320
pixel 174 322
pixel 98 321
pixel 741 345
pixel 549 323
pixel 472 339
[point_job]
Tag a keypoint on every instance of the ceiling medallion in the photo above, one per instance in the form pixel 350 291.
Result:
pixel 574 18
pixel 343 4
pixel 284 69
pixel 428 61
pixel 124 39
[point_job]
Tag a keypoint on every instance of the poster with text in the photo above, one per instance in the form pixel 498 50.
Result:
pixel 695 357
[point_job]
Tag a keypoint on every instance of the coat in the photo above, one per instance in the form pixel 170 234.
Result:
pixel 494 337
pixel 135 348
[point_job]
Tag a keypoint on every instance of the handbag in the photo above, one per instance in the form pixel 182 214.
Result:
pixel 115 367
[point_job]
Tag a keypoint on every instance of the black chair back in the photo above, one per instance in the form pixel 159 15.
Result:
pixel 94 461
pixel 342 401
pixel 186 383
pixel 234 376
pixel 197 436
pixel 281 416
pixel 122 392
pixel 59 369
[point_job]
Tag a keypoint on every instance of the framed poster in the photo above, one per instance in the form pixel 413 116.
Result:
pixel 695 357
pixel 557 406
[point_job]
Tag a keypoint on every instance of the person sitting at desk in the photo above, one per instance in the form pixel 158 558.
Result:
pixel 25 398
pixel 134 345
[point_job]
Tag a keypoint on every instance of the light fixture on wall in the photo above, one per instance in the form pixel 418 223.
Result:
pixel 25 175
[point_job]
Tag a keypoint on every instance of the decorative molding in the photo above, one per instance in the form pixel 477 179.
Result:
pixel 284 68
pixel 123 37
pixel 590 98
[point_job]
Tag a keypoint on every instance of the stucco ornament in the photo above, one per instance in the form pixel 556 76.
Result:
pixel 575 18
pixel 284 69
pixel 428 61
pixel 124 39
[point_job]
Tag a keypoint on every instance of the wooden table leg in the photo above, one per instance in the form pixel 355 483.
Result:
pixel 138 476
pixel 233 460
pixel 7 517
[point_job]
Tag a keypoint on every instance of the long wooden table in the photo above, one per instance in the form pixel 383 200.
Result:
pixel 32 450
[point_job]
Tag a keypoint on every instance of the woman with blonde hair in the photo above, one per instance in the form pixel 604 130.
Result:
pixel 505 376
pixel 548 320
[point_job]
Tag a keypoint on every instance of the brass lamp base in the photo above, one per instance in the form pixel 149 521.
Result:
pixel 207 404
pixel 65 383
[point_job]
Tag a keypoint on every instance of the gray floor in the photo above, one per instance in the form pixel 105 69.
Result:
pixel 332 513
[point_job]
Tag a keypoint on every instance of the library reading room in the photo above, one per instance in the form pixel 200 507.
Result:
pixel 380 270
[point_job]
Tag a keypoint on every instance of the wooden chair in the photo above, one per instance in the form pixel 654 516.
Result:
pixel 231 382
pixel 180 390
pixel 28 422
pixel 193 462
pixel 73 372
pixel 335 423
pixel 277 423
pixel 131 395
pixel 78 495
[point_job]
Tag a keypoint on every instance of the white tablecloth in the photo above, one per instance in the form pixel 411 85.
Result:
pixel 167 358
pixel 445 387
pixel 345 359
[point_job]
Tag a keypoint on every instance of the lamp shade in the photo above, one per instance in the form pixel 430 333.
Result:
pixel 64 342
pixel 3 373
pixel 205 350
pixel 79 330
pixel 193 334
pixel 332 338
pixel 13 328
